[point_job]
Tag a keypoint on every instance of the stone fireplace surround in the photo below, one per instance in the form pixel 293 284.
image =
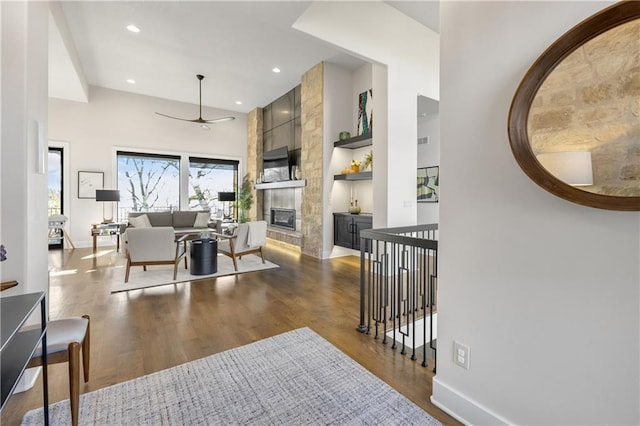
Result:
pixel 307 201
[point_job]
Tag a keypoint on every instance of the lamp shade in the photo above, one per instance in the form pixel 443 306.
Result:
pixel 226 196
pixel 107 195
pixel 571 167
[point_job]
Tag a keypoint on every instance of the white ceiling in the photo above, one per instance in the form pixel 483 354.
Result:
pixel 234 44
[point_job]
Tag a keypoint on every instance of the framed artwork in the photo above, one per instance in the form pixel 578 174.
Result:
pixel 428 184
pixel 365 112
pixel 88 182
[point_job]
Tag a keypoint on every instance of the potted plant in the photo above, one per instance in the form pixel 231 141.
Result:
pixel 245 198
pixel 368 161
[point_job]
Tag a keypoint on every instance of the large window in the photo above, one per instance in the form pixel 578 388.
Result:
pixel 148 182
pixel 207 177
pixel 159 182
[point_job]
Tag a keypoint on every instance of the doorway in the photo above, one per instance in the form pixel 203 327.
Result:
pixel 55 193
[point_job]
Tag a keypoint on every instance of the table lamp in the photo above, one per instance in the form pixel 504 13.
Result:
pixel 572 167
pixel 107 196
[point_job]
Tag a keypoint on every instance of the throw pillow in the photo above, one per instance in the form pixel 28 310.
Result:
pixel 202 220
pixel 141 221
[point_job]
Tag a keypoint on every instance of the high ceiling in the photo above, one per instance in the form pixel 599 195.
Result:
pixel 234 44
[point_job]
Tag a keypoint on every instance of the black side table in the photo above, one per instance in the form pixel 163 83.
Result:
pixel 204 256
pixel 18 346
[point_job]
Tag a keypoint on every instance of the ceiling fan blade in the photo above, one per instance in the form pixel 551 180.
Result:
pixel 175 118
pixel 218 120
pixel 199 120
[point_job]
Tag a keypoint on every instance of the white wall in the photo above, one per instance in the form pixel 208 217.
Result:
pixel 545 292
pixel 360 190
pixel 23 222
pixel 118 120
pixel 337 118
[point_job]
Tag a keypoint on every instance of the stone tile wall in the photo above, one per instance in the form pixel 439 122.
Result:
pixel 254 159
pixel 310 211
pixel 312 164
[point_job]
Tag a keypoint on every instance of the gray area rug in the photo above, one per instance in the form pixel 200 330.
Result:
pixel 156 275
pixel 295 378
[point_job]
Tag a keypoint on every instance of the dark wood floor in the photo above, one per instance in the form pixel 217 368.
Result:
pixel 142 331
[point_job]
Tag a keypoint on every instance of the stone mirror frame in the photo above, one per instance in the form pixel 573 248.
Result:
pixel 581 99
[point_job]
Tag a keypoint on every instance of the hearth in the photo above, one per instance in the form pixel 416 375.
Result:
pixel 283 218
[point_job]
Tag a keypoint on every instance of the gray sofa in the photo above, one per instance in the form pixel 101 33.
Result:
pixel 183 222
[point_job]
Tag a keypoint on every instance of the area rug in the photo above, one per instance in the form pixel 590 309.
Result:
pixel 163 274
pixel 295 378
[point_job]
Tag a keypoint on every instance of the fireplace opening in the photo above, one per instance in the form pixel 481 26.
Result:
pixel 284 218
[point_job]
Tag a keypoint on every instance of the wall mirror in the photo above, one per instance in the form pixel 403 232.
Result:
pixel 574 123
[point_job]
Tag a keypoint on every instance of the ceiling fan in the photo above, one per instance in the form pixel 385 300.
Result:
pixel 203 123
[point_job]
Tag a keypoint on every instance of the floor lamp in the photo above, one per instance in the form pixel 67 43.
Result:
pixel 107 196
pixel 226 197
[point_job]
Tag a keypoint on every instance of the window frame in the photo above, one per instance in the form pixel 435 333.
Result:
pixel 184 167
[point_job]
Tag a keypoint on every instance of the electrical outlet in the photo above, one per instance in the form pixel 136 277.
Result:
pixel 461 354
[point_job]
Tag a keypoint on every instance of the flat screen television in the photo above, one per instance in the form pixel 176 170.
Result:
pixel 276 166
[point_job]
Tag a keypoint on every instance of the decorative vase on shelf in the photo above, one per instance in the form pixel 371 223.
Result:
pixel 355 168
pixel 344 135
pixel 354 208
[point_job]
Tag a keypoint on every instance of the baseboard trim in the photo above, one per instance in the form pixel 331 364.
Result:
pixel 463 408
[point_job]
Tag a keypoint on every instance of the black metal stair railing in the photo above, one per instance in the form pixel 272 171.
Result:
pixel 398 286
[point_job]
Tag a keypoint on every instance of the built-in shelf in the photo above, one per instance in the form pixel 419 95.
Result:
pixel 282 184
pixel 355 142
pixel 354 176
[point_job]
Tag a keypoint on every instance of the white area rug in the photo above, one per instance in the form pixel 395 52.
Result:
pixel 296 378
pixel 419 336
pixel 163 274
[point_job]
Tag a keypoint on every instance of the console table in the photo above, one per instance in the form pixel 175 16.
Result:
pixel 105 229
pixel 18 346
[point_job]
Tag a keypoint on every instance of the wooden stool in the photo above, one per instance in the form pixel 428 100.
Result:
pixel 64 338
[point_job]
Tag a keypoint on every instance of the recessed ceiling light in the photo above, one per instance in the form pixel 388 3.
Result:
pixel 238 102
pixel 133 28
pixel 131 81
pixel 276 70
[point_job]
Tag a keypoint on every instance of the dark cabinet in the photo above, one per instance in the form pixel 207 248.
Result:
pixel 347 227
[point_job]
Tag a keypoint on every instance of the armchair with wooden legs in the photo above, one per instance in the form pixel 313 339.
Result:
pixel 65 338
pixel 155 246
pixel 248 238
